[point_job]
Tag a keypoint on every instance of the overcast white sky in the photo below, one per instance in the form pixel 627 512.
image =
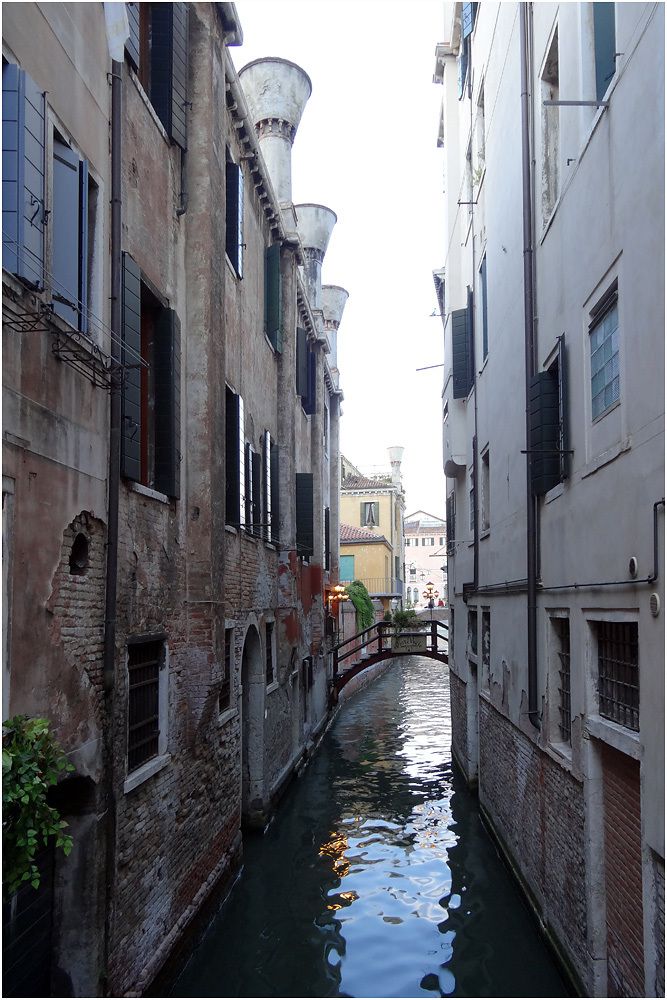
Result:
pixel 366 148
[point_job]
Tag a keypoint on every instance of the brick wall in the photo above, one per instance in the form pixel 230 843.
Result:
pixel 457 694
pixel 659 929
pixel 623 874
pixel 537 808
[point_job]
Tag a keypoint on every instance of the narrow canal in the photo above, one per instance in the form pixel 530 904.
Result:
pixel 376 878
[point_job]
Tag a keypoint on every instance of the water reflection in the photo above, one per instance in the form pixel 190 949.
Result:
pixel 376 879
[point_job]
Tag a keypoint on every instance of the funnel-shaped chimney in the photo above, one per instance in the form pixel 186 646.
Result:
pixel 276 91
pixel 333 303
pixel 315 224
pixel 395 458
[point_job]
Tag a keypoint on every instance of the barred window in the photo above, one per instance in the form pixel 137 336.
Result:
pixel 472 631
pixel 618 672
pixel 605 377
pixel 144 662
pixel 269 653
pixel 225 688
pixel 561 627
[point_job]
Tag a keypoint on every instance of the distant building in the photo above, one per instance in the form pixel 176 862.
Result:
pixel 376 505
pixel 425 556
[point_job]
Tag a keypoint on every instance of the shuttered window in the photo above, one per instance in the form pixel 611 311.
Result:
pixel 548 425
pixel 130 359
pixel 275 492
pixel 304 514
pixel 604 345
pixel 327 538
pixel 266 485
pixel 482 285
pixel 69 228
pixel 23 171
pixel 468 16
pixel 234 460
pixel 167 389
pixel 369 513
pixel 604 29
pixel 310 402
pixel 157 47
pixel 256 465
pixel 463 355
pixel 273 297
pixel 145 660
pixel 301 363
pixel 234 245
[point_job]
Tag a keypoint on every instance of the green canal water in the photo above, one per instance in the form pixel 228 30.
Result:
pixel 376 878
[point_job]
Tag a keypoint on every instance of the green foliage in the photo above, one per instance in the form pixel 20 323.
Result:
pixel 32 761
pixel 388 617
pixel 406 619
pixel 365 612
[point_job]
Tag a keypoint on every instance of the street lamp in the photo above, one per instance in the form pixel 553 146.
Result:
pixel 430 594
pixel 336 597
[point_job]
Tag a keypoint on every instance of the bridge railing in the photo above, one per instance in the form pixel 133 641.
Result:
pixel 378 639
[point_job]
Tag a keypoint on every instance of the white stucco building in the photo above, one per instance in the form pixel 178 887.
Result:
pixel 553 444
pixel 425 557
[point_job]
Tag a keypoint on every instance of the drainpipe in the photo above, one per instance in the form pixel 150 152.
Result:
pixel 529 344
pixel 109 660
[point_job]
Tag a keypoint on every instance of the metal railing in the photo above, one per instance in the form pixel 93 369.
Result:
pixel 387 586
pixel 377 640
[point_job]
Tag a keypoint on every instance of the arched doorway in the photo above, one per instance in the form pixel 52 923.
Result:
pixel 252 730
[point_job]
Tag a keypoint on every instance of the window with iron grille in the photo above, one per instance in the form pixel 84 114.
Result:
pixel 144 660
pixel 472 631
pixel 618 672
pixel 269 653
pixel 561 627
pixel 226 687
pixel 604 338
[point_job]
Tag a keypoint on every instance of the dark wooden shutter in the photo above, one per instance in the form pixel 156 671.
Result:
pixel 362 514
pixel 460 362
pixel 240 444
pixel 301 364
pixel 327 538
pixel 234 212
pixel 169 67
pixel 304 514
pixel 256 470
pixel 247 465
pixel 130 359
pixel 563 436
pixel 167 354
pixel 273 297
pixel 266 485
pixel 544 432
pixel 232 512
pixel 310 402
pixel 132 43
pixel 275 492
pixel 451 523
pixel 468 14
pixel 23 169
pixel 83 245
pixel 66 232
pixel 470 324
pixel 604 29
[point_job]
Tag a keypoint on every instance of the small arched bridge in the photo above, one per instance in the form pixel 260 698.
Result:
pixel 383 641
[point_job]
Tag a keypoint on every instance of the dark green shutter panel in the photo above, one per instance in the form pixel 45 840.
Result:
pixel 247 458
pixel 130 359
pixel 544 433
pixel 604 28
pixel 460 362
pixel 304 514
pixel 376 513
pixel 83 246
pixel 468 14
pixel 256 470
pixel 132 43
pixel 273 297
pixel 167 354
pixel 301 364
pixel 563 409
pixel 234 212
pixel 232 458
pixel 327 538
pixel 470 322
pixel 65 232
pixel 362 514
pixel 275 492
pixel 169 67
pixel 310 402
pixel 23 169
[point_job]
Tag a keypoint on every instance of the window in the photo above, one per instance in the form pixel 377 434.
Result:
pixel 618 672
pixel 463 349
pixel 253 480
pixel 235 492
pixel 327 538
pixel 471 501
pixel 72 227
pixel 431 542
pixel 234 245
pixel 145 662
pixel 486 647
pixel 397 568
pixel 151 403
pixel 451 523
pixel 157 47
pixel 441 541
pixel 370 513
pixel 225 687
pixel 273 297
pixel 549 91
pixel 483 306
pixel 346 569
pixel 304 514
pixel 486 492
pixel 326 429
pixel 604 29
pixel 268 649
pixel 415 595
pixel 480 135
pixel 306 372
pixel 472 630
pixel 605 374
pixel 548 424
pixel 561 628
pixel 274 476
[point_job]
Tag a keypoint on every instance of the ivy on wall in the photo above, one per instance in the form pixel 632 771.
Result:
pixel 363 606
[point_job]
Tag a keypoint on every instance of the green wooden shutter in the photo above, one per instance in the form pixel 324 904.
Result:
pixel 275 492
pixel 273 297
pixel 83 246
pixel 327 538
pixel 266 485
pixel 66 232
pixel 544 433
pixel 132 42
pixel 130 359
pixel 256 471
pixel 301 363
pixel 468 15
pixel 167 355
pixel 604 29
pixel 169 67
pixel 563 428
pixel 310 401
pixel 304 514
pixel 470 327
pixel 460 363
pixel 248 482
pixel 234 212
pixel 232 512
pixel 240 444
pixel 362 514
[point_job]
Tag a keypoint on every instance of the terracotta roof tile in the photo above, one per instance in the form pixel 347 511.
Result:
pixel 362 483
pixel 350 533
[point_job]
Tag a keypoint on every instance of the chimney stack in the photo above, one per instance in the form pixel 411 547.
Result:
pixel 333 303
pixel 395 458
pixel 315 224
pixel 276 91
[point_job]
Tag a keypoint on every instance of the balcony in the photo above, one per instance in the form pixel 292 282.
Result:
pixel 381 586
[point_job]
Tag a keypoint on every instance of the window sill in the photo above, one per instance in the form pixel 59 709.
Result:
pixel 249 537
pixel 227 716
pixel 231 530
pixel 606 458
pixel 232 269
pixel 146 491
pixel 484 533
pixel 625 740
pixel 554 493
pixel 561 753
pixel 151 110
pixel 145 772
pixel 273 686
